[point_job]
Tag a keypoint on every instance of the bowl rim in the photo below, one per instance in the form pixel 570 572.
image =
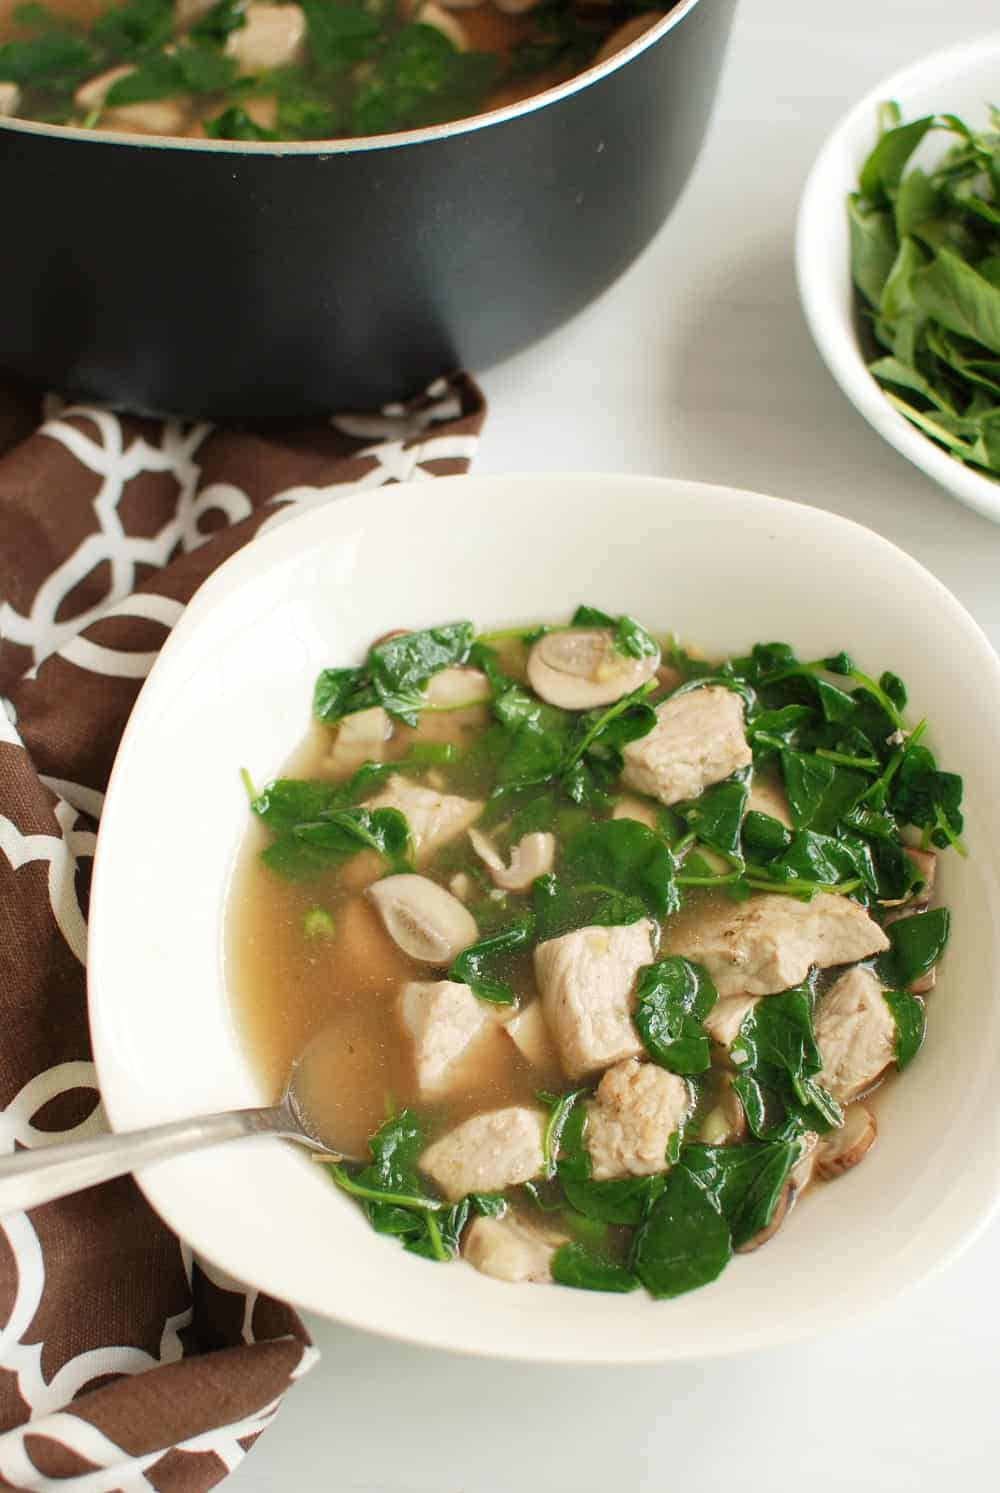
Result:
pixel 241 568
pixel 833 334
pixel 395 140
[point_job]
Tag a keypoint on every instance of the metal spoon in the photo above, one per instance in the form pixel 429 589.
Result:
pixel 30 1178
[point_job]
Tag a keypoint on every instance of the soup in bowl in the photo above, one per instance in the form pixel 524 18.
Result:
pixel 233 689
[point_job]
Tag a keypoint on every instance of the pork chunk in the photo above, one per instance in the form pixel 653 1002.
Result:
pixel 434 818
pixel 855 1034
pixel 488 1152
pixel 272 36
pixel 638 1107
pixel 770 942
pixel 511 1250
pixel 726 1017
pixel 445 1021
pixel 698 740
pixel 587 979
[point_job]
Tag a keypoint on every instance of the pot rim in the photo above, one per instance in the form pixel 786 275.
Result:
pixel 396 140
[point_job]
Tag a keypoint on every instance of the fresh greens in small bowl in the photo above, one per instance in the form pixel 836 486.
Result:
pixel 925 258
pixel 898 265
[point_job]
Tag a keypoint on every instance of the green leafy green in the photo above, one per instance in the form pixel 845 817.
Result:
pixel 573 1264
pixel 419 78
pixel 777 1059
pixel 917 943
pixel 685 1242
pixel 395 675
pixel 744 1181
pixel 309 846
pixel 910 1016
pixel 188 70
pixel 236 124
pixel 474 965
pixel 673 998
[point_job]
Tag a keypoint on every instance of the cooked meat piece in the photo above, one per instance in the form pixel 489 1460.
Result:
pixel 274 36
pixel 361 737
pixel 532 856
pixel 770 942
pixel 726 1017
pixel 637 809
pixel 10 98
pixel 488 1152
pixel 511 1250
pixel 434 818
pixel 445 1021
pixel 698 740
pixel 530 1035
pixel 841 1149
pixel 769 798
pixel 587 979
pixel 460 686
pixel 638 1107
pixel 855 1034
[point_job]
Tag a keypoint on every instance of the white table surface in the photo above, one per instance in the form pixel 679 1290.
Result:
pixel 697 364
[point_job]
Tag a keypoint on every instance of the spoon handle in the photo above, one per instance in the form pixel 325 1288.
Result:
pixel 29 1178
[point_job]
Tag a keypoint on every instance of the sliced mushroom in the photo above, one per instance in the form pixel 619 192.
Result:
pixel 796 1183
pixel 460 886
pixel 10 98
pixel 579 668
pixel 453 688
pixel 627 34
pixel 532 856
pixel 635 808
pixel 424 919
pixel 841 1149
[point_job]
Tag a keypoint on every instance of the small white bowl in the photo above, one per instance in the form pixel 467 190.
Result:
pixel 232 689
pixel 962 80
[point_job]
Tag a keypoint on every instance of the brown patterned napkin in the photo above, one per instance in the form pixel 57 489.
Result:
pixel 124 1363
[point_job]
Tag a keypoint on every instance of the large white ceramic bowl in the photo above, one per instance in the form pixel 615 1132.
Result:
pixel 232 689
pixel 962 80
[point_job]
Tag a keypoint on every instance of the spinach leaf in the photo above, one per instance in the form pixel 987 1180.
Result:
pixel 881 172
pixel 135 27
pixel 956 295
pixel 419 78
pixel 560 1108
pixel 763 836
pixel 627 859
pixel 395 675
pixel 631 638
pixel 744 1181
pixel 43 57
pixel 821 858
pixel 559 907
pixel 216 24
pixel 819 792
pixel 716 817
pixel 621 1200
pixel 924 796
pixel 777 1058
pixel 685 1242
pixel 473 966
pixel 673 997
pixel 917 943
pixel 910 1016
pixel 236 124
pixel 402 666
pixel 188 70
pixel 340 34
pixel 575 1265
pixel 307 847
pixel 604 732
pixel 873 248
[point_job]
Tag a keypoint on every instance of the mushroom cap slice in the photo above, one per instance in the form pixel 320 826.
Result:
pixel 579 668
pixel 423 919
pixel 841 1149
pixel 533 855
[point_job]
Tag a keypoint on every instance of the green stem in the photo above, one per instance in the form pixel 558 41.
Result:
pixel 248 785
pixel 796 887
pixel 434 1235
pixel 374 1195
pixel 868 763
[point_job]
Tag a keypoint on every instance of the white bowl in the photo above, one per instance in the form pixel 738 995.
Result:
pixel 962 80
pixel 232 689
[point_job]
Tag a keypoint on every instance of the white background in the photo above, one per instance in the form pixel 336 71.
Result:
pixel 698 364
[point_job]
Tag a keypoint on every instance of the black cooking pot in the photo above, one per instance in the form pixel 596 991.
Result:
pixel 223 279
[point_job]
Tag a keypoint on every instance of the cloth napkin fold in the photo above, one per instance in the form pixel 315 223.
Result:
pixel 125 1363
